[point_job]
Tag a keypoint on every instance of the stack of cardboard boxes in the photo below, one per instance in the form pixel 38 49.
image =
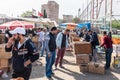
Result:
pixel 82 60
pixel 4 56
pixel 83 51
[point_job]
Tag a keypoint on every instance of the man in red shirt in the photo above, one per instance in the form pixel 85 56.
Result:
pixel 107 44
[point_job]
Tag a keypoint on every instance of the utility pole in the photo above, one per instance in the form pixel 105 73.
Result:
pixel 87 10
pixel 79 12
pixel 105 13
pixel 111 4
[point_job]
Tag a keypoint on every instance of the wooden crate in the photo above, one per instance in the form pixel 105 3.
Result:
pixel 82 48
pixel 74 39
pixel 82 59
pixel 83 67
pixel 3 53
pixel 2 38
pixel 73 34
pixel 3 63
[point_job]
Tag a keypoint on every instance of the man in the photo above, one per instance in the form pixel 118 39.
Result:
pixel 39 33
pixel 107 44
pixel 86 36
pixel 45 42
pixel 43 37
pixel 24 53
pixel 94 42
pixel 50 57
pixel 62 44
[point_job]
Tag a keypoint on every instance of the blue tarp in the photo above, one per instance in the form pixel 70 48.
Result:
pixel 87 25
pixel 80 25
pixel 63 25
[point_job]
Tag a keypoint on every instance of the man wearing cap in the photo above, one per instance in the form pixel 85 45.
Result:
pixel 24 52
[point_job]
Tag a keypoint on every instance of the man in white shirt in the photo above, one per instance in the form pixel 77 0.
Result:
pixel 39 39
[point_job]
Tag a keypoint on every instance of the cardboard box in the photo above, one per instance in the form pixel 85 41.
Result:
pixel 96 68
pixel 2 38
pixel 3 53
pixel 83 67
pixel 3 63
pixel 82 58
pixel 74 39
pixel 72 34
pixel 82 47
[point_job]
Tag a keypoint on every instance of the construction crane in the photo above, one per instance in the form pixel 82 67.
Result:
pixel 99 13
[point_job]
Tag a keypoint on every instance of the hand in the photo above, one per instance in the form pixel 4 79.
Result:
pixel 27 63
pixel 11 40
pixel 99 46
pixel 58 48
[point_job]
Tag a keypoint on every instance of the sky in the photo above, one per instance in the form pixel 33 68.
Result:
pixel 17 7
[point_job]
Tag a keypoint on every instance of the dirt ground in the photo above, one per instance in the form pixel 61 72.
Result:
pixel 71 71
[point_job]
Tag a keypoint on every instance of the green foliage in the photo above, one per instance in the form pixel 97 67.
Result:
pixel 76 20
pixel 116 24
pixel 45 14
pixel 26 14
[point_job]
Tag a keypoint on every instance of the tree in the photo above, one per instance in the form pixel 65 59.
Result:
pixel 45 14
pixel 116 24
pixel 76 20
pixel 27 14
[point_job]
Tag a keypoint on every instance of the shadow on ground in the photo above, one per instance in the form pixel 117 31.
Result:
pixel 109 75
pixel 38 70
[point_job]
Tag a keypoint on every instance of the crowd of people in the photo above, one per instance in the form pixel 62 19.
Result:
pixel 53 43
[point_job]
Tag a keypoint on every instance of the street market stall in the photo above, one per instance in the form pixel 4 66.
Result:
pixel 13 24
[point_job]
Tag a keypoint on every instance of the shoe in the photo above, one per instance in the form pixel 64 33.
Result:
pixel 107 68
pixel 62 67
pixel 4 75
pixel 56 68
pixel 53 74
pixel 48 76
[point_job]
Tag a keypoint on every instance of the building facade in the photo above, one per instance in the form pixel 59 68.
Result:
pixel 52 10
pixel 67 18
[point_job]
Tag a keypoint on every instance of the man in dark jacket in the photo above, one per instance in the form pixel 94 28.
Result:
pixel 24 53
pixel 50 57
pixel 87 36
pixel 94 42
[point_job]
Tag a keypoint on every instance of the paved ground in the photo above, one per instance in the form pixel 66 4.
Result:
pixel 71 71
